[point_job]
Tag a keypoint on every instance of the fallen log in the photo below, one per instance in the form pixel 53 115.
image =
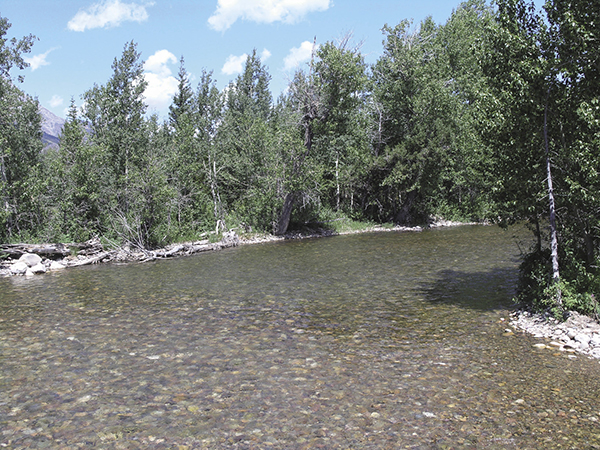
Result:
pixel 93 260
pixel 48 250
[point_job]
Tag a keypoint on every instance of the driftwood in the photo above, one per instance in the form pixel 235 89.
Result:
pixel 53 251
pixel 191 248
pixel 47 250
pixel 92 252
pixel 90 247
pixel 93 260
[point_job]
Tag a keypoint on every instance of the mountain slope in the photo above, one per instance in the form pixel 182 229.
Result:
pixel 51 127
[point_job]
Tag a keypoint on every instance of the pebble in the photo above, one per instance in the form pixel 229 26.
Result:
pixel 578 333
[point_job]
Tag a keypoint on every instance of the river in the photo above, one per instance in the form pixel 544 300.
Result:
pixel 377 341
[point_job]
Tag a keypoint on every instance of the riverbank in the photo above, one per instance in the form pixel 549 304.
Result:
pixel 31 260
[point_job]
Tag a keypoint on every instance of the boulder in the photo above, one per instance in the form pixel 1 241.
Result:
pixel 31 259
pixel 583 340
pixel 38 268
pixel 19 268
pixel 595 341
pixel 55 265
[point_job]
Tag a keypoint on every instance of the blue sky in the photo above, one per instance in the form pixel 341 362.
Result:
pixel 79 39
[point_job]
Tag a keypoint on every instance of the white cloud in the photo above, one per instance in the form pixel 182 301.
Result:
pixel 263 11
pixel 266 54
pixel 157 63
pixel 37 61
pixel 234 64
pixel 298 55
pixel 55 101
pixel 108 14
pixel 162 85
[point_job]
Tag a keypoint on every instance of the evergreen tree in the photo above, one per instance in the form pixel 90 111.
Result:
pixel 243 139
pixel 182 105
pixel 77 184
pixel 115 113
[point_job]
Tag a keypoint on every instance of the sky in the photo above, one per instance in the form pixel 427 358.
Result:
pixel 78 40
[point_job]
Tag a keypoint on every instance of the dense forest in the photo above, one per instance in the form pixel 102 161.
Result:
pixel 493 116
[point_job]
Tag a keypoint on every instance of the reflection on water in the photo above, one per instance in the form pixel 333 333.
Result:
pixel 390 340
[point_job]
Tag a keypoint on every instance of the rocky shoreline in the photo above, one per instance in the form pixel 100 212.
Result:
pixel 577 334
pixel 33 259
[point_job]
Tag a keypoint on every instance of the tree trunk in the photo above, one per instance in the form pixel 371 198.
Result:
pixel 286 213
pixel 553 231
pixel 337 181
pixel 310 109
pixel 404 216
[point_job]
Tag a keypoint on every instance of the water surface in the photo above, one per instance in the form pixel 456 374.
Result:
pixel 388 340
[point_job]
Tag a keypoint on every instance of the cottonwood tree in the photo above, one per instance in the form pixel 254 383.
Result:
pixel 544 71
pixel 521 72
pixel 575 32
pixel 426 88
pixel 323 99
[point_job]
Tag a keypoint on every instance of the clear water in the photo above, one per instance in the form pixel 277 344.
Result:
pixel 389 340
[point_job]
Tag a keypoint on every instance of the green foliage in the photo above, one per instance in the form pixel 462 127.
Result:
pixel 20 143
pixel 576 287
pixel 115 113
pixel 544 90
pixel 427 91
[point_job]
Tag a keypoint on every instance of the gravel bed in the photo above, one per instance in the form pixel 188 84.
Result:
pixel 577 334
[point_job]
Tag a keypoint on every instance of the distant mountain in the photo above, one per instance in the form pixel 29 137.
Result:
pixel 52 126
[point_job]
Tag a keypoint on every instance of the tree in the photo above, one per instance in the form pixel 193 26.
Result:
pixel 115 113
pixel 209 115
pixel 324 100
pixel 575 31
pixel 243 140
pixel 426 90
pixel 20 141
pixel 77 184
pixel 522 72
pixel 193 166
pixel 182 105
pixel 545 80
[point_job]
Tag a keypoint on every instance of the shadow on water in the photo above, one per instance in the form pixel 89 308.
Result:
pixel 486 290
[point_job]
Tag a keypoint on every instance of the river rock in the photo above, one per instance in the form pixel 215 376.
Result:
pixel 55 265
pixel 38 268
pixel 19 268
pixel 31 259
pixel 583 339
pixel 595 340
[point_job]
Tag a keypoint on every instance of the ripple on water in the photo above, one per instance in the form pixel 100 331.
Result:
pixel 366 341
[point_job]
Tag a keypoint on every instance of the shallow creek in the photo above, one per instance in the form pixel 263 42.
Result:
pixel 385 340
